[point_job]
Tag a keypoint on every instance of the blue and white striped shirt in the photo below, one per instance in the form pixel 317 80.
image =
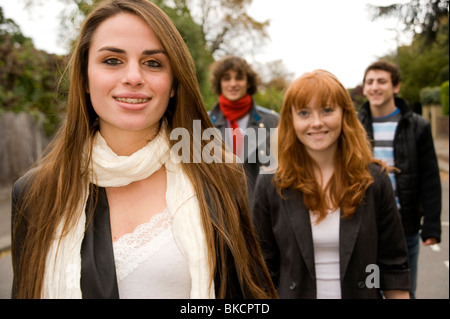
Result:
pixel 384 133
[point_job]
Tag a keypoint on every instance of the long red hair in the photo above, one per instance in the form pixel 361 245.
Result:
pixel 351 178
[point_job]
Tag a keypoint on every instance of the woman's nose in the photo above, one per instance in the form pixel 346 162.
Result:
pixel 317 120
pixel 133 75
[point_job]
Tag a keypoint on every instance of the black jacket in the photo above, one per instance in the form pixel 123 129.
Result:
pixel 372 236
pixel 98 273
pixel 418 181
pixel 260 118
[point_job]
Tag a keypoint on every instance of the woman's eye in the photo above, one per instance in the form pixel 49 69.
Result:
pixel 153 64
pixel 112 61
pixel 303 113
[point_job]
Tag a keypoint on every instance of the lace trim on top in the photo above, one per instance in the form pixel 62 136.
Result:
pixel 131 249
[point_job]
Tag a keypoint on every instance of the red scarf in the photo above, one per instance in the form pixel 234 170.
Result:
pixel 233 111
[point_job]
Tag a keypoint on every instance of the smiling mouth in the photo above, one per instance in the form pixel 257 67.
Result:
pixel 131 101
pixel 317 134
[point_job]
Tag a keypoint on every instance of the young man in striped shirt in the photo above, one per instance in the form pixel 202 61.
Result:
pixel 403 139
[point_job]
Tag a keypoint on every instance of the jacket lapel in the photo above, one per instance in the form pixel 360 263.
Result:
pixel 300 222
pixel 254 122
pixel 348 233
pixel 98 270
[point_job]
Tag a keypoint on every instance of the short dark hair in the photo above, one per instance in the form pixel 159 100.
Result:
pixel 219 68
pixel 394 70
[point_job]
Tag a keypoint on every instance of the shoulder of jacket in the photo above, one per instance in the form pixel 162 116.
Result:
pixel 375 169
pixel 265 180
pixel 266 111
pixel 417 123
pixel 22 183
pixel 214 113
pixel 419 119
pixel 270 118
pixel 380 176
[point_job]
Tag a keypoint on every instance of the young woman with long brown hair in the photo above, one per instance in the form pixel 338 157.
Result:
pixel 111 211
pixel 327 219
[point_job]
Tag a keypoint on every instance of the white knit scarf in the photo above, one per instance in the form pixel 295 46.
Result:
pixel 63 263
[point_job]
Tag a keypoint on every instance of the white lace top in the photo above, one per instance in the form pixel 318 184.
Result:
pixel 149 263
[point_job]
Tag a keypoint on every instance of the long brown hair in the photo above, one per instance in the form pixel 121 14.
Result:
pixel 296 168
pixel 57 185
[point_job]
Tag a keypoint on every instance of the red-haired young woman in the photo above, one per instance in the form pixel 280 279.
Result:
pixel 327 218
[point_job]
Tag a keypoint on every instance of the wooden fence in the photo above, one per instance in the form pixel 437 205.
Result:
pixel 22 141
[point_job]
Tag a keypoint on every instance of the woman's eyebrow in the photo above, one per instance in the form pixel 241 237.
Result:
pixel 152 52
pixel 121 51
pixel 112 49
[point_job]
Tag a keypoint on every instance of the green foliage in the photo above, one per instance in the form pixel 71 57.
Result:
pixel 422 66
pixel 423 18
pixel 357 96
pixel 271 98
pixel 28 77
pixel 444 98
pixel 193 37
pixel 430 96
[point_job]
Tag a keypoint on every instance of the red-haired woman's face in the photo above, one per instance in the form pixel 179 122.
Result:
pixel 318 128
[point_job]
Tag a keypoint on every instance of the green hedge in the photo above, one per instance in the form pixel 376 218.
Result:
pixel 430 96
pixel 444 97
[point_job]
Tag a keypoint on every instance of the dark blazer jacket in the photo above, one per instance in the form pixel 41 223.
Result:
pixel 374 235
pixel 98 272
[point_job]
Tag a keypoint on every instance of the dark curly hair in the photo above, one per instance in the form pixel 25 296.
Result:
pixel 219 68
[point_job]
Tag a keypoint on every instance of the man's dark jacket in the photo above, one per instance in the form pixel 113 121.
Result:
pixel 260 118
pixel 418 181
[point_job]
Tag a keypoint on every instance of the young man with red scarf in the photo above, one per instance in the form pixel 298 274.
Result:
pixel 234 81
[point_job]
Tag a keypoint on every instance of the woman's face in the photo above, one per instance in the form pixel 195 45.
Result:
pixel 129 76
pixel 318 128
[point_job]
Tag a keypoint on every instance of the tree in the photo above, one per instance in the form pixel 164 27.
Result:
pixel 275 78
pixel 423 17
pixel 227 27
pixel 28 77
pixel 357 96
pixel 422 66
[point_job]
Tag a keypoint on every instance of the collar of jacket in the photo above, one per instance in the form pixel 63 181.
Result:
pixel 300 221
pixel 405 110
pixel 218 119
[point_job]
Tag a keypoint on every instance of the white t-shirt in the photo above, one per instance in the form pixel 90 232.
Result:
pixel 326 255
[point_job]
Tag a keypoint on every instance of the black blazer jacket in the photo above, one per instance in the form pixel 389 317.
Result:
pixel 98 271
pixel 374 235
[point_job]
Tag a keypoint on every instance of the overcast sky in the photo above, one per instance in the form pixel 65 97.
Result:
pixel 337 36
